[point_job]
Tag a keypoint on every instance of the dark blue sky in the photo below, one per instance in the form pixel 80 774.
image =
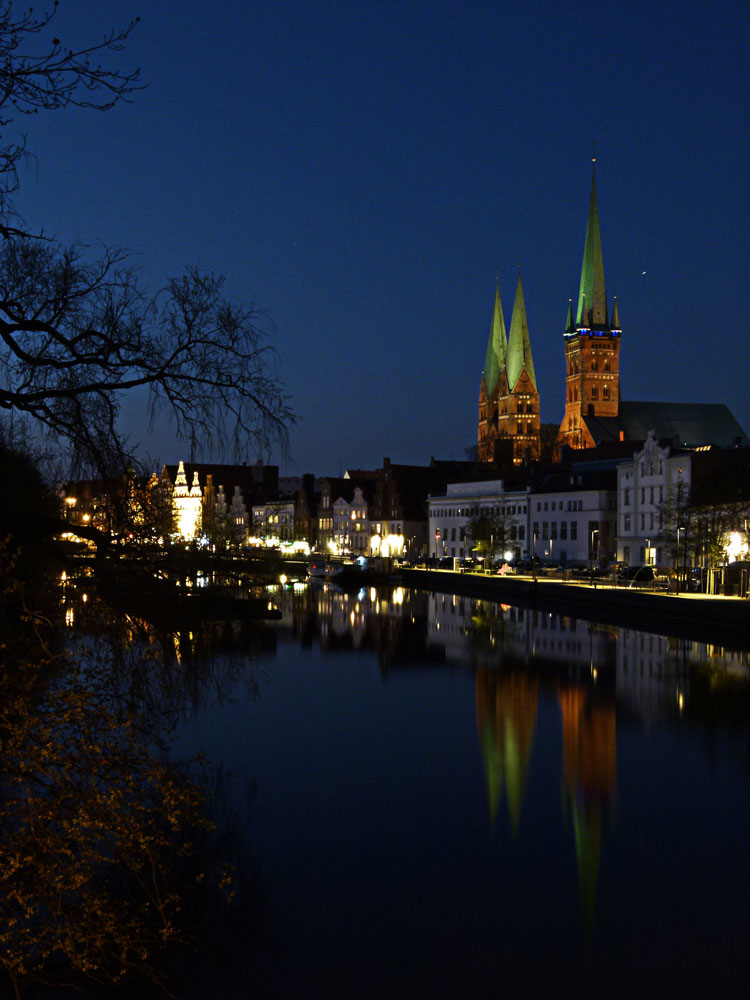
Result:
pixel 362 171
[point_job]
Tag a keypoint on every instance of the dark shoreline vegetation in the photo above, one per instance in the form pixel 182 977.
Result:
pixel 117 858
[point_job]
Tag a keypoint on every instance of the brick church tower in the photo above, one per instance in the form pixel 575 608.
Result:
pixel 592 345
pixel 509 420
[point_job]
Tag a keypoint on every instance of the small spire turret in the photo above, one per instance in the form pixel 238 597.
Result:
pixel 615 325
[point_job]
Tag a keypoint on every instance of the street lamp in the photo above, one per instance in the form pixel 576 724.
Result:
pixel 594 547
pixel 678 558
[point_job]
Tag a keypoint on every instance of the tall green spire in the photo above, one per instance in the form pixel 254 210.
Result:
pixel 497 347
pixel 519 344
pixel 594 314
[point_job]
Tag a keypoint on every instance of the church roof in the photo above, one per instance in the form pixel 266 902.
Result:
pixel 519 344
pixel 592 295
pixel 497 347
pixel 689 425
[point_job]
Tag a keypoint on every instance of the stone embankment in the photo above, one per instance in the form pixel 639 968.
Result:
pixel 724 621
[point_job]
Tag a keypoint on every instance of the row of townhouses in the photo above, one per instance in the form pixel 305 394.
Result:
pixel 620 501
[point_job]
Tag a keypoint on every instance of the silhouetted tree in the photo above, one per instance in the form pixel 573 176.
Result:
pixel 78 331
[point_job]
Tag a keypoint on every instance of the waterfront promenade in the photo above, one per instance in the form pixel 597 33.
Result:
pixel 723 621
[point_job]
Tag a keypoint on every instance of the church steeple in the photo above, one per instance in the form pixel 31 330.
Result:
pixel 519 344
pixel 592 296
pixel 592 346
pixel 497 347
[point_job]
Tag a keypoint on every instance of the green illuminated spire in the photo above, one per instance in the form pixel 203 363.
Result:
pixel 615 316
pixel 497 347
pixel 519 345
pixel 592 295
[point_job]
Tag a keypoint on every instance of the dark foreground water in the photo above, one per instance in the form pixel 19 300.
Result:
pixel 452 799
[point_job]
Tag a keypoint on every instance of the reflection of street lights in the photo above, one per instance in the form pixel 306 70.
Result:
pixel 594 546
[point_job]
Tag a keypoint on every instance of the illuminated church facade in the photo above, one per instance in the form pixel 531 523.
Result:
pixel 595 413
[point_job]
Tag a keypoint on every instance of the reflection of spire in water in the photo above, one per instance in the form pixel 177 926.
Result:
pixel 589 780
pixel 492 755
pixel 506 722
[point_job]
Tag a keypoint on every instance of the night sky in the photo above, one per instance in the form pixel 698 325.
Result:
pixel 363 171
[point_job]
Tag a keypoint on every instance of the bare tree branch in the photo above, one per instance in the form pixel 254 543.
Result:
pixel 51 78
pixel 75 335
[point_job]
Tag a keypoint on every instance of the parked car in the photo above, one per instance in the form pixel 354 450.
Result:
pixel 643 576
pixel 526 565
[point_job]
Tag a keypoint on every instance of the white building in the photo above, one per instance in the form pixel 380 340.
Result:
pixel 655 476
pixel 351 525
pixel 450 514
pixel 574 524
pixel 186 504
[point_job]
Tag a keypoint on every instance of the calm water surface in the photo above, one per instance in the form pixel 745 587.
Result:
pixel 454 799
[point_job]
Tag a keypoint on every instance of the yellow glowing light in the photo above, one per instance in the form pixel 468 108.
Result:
pixel 69 618
pixel 373 594
pixel 84 597
pixel 392 545
pixel 86 518
pixel 282 579
pixel 70 501
pixel 680 700
pixel 63 576
pixel 398 595
pixel 735 547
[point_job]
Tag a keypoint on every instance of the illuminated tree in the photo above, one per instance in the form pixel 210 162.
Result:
pixel 488 531
pixel 96 827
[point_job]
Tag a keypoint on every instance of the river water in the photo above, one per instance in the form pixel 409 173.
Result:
pixel 450 798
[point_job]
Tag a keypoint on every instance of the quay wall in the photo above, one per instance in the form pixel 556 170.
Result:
pixel 724 621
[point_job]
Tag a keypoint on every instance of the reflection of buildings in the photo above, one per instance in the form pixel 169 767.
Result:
pixel 649 673
pixel 386 619
pixel 490 634
pixel 506 721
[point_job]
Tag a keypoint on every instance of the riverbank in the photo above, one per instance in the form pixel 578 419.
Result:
pixel 724 621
